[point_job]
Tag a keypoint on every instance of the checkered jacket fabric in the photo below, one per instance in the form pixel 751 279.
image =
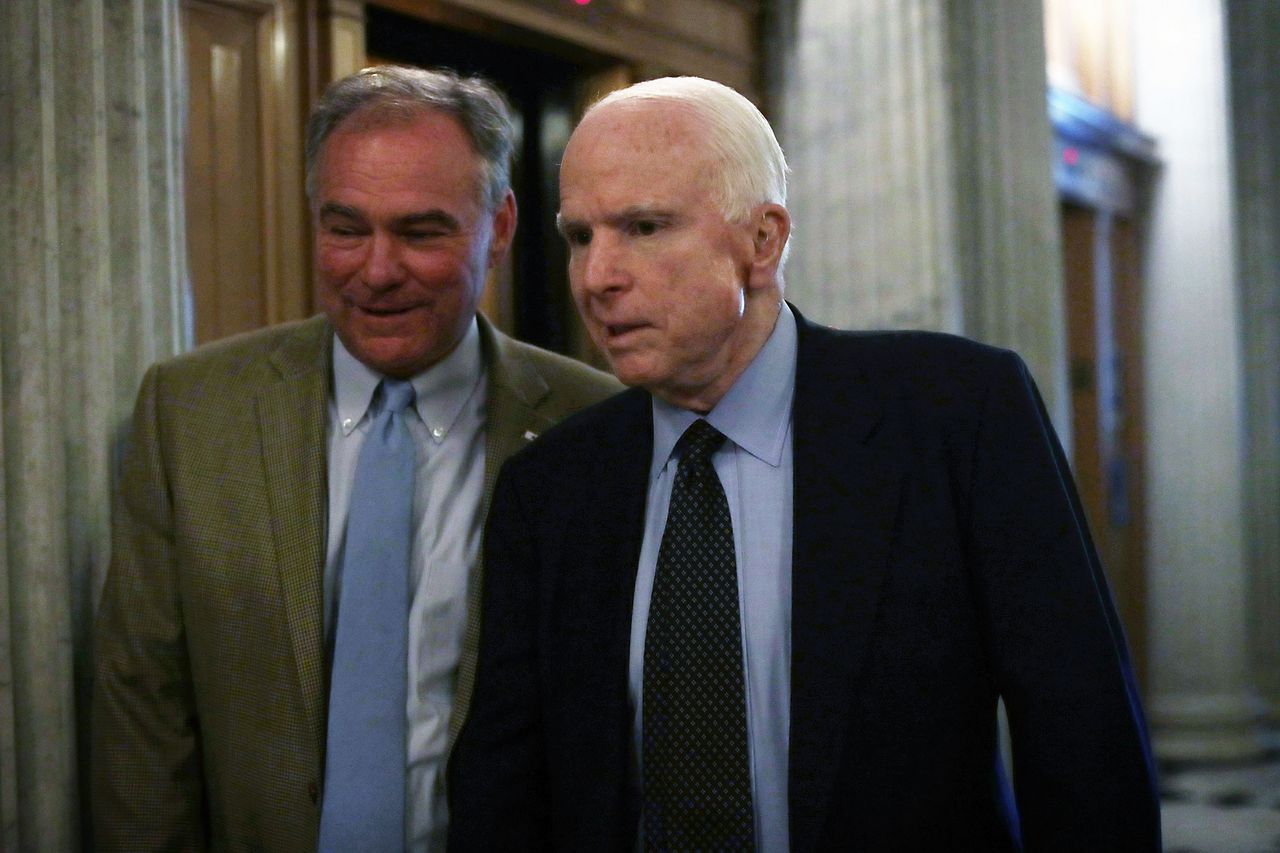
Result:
pixel 209 697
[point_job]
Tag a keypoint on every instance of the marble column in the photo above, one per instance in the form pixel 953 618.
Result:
pixel 919 140
pixel 92 292
pixel 1203 703
pixel 1254 46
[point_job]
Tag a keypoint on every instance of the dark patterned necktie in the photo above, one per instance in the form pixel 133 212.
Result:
pixel 697 783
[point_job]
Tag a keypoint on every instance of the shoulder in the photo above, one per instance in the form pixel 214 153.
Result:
pixel 936 366
pixel 914 385
pixel 244 364
pixel 900 351
pixel 549 381
pixel 566 375
pixel 294 340
pixel 608 432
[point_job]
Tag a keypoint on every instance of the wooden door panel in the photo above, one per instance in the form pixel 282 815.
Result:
pixel 248 243
pixel 224 175
pixel 1103 298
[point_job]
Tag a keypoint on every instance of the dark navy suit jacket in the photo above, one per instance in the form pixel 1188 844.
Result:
pixel 941 560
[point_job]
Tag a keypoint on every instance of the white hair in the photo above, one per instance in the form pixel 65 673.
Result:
pixel 753 169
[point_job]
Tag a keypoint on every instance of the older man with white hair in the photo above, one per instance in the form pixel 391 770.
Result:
pixel 770 597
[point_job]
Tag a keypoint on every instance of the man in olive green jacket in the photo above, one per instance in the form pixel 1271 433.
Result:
pixel 214 631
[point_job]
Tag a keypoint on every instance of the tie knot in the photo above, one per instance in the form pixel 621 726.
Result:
pixel 699 441
pixel 397 395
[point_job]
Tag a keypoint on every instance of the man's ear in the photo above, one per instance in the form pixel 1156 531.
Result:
pixel 770 228
pixel 504 229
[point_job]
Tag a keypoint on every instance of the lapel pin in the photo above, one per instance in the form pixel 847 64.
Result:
pixel 530 435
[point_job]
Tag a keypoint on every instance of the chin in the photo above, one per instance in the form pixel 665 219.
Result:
pixel 396 364
pixel 632 375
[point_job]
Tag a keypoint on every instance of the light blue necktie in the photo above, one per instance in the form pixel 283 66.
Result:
pixel 365 756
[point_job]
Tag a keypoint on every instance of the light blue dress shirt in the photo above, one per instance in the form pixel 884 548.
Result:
pixel 755 468
pixel 448 435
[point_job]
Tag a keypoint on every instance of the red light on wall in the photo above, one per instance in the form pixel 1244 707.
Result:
pixel 583 2
pixel 1071 156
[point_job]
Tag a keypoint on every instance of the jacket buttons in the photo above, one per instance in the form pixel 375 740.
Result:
pixel 313 791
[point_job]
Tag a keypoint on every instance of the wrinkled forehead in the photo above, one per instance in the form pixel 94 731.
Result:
pixel 642 142
pixel 396 114
pixel 642 126
pixel 433 127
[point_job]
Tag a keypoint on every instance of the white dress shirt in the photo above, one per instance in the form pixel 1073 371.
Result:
pixel 448 436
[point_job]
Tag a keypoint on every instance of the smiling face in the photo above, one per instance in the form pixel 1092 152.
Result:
pixel 403 241
pixel 678 299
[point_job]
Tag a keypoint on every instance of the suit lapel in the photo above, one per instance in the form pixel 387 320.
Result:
pixel 590 623
pixel 291 423
pixel 512 420
pixel 846 493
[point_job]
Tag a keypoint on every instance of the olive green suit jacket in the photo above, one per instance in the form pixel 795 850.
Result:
pixel 210 691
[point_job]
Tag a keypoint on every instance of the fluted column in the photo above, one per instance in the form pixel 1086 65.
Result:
pixel 91 293
pixel 919 138
pixel 1254 39
pixel 1203 705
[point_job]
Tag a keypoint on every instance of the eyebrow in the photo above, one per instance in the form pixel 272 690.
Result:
pixel 430 217
pixel 627 214
pixel 330 208
pixel 434 216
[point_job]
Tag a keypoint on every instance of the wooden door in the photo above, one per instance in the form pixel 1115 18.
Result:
pixel 1103 296
pixel 247 241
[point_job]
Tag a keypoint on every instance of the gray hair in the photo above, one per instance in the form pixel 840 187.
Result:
pixel 753 169
pixel 401 92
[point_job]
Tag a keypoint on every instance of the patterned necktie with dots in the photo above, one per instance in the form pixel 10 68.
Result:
pixel 697 783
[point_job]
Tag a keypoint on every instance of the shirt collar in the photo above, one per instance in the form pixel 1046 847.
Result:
pixel 441 391
pixel 756 411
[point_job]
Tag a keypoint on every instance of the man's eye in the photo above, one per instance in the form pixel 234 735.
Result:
pixel 645 227
pixel 577 237
pixel 343 231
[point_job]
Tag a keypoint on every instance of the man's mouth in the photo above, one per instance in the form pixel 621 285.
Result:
pixel 383 310
pixel 616 330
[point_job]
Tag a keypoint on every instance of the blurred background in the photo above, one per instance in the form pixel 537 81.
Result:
pixel 1094 183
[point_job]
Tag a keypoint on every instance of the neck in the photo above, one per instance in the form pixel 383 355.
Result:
pixel 758 319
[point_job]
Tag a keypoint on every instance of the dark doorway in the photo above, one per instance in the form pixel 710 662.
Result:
pixel 543 86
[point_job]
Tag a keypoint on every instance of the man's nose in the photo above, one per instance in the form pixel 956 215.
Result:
pixel 602 266
pixel 383 266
